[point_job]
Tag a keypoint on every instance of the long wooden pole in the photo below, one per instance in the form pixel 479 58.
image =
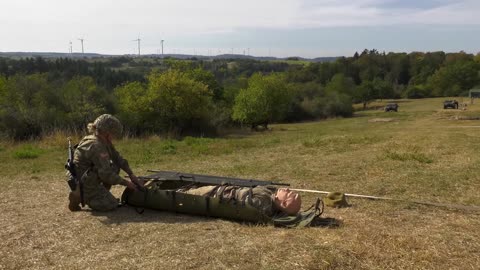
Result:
pixel 346 194
pixel 447 205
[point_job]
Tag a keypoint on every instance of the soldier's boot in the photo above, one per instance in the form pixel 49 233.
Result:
pixel 74 201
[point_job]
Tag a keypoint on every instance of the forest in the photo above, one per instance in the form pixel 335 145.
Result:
pixel 150 95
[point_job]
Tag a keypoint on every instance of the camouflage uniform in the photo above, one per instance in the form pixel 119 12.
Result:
pixel 101 164
pixel 259 197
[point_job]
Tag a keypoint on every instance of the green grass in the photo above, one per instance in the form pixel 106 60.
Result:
pixel 341 143
pixel 422 158
pixel 27 152
pixel 292 62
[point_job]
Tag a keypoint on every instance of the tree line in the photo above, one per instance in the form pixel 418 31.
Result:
pixel 194 96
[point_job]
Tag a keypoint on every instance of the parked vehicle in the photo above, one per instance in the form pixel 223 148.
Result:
pixel 452 104
pixel 391 107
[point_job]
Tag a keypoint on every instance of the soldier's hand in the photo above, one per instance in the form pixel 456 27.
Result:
pixel 131 185
pixel 136 180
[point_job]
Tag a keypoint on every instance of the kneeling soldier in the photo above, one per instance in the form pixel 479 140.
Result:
pixel 98 164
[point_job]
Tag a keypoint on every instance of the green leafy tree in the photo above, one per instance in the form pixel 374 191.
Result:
pixel 315 101
pixel 477 58
pixel 416 91
pixel 170 101
pixel 340 84
pixel 423 65
pixel 207 78
pixel 454 79
pixel 336 104
pixel 366 92
pixel 453 58
pixel 383 89
pixel 132 105
pixel 22 100
pixel 231 89
pixel 3 99
pixel 181 65
pixel 398 72
pixel 83 101
pixel 304 104
pixel 266 99
pixel 370 90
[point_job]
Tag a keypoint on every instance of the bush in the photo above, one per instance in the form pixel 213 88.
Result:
pixel 168 148
pixel 337 104
pixel 83 102
pixel 170 102
pixel 31 105
pixel 416 91
pixel 24 105
pixel 331 105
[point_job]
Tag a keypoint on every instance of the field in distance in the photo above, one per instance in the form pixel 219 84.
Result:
pixel 422 152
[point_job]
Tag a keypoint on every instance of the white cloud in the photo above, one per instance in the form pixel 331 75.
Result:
pixel 327 13
pixel 166 16
pixel 189 16
pixel 110 25
pixel 463 12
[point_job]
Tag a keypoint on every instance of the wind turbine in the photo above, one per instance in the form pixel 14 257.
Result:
pixel 70 49
pixel 161 42
pixel 81 41
pixel 138 43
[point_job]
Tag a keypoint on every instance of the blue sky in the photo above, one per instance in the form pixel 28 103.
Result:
pixel 308 28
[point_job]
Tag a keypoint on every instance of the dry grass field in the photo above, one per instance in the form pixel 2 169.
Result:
pixel 420 153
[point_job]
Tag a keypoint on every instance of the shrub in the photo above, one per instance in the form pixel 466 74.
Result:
pixel 168 148
pixel 171 102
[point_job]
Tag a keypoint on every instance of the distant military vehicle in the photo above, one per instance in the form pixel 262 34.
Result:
pixel 391 107
pixel 453 104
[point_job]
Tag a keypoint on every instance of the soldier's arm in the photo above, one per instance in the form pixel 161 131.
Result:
pixel 120 161
pixel 262 200
pixel 101 161
pixel 123 164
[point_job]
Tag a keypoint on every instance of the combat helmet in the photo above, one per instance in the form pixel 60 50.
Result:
pixel 335 199
pixel 108 123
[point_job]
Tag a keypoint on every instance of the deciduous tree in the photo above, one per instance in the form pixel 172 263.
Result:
pixel 266 99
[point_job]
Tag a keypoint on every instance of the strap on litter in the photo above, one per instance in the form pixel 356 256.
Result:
pixel 140 210
pixel 125 195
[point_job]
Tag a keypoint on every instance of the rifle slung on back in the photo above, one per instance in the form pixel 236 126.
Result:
pixel 73 181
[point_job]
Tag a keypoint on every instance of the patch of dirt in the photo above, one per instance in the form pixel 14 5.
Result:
pixel 465 117
pixel 375 120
